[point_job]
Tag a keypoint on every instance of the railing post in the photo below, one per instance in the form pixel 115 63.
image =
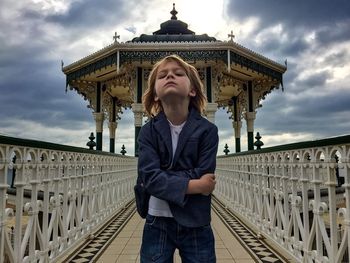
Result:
pixel 304 158
pixel 331 185
pixel 3 187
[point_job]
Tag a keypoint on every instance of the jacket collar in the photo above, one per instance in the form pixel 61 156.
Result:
pixel 161 124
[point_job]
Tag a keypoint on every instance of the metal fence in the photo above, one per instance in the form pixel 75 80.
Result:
pixel 296 196
pixel 57 197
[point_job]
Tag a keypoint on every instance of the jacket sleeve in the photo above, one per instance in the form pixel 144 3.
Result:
pixel 159 183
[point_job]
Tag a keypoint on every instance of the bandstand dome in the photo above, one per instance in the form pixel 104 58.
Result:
pixel 173 30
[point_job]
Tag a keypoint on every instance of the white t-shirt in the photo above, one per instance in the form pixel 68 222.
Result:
pixel 159 207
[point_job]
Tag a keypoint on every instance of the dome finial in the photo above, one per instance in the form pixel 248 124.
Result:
pixel 173 13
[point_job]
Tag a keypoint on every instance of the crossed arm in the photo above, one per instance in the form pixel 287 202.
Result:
pixel 204 185
pixel 173 186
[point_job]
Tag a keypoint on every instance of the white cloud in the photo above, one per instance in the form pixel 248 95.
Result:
pixel 48 7
pixel 28 129
pixel 286 138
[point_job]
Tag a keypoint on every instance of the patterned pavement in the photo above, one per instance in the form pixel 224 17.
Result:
pixel 258 249
pixel 91 250
pixel 255 249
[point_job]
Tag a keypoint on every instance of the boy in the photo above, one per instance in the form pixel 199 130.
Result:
pixel 177 159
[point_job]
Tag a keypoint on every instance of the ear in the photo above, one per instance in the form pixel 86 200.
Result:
pixel 192 93
pixel 156 98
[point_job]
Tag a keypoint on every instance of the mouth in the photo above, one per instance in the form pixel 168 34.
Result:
pixel 170 83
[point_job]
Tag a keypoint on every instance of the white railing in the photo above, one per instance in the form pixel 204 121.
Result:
pixel 59 197
pixel 290 195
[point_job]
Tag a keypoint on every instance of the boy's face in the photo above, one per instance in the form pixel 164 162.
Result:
pixel 172 83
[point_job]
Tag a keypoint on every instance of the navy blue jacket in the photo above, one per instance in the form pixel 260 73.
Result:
pixel 167 178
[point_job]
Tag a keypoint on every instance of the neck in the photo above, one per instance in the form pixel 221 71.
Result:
pixel 176 114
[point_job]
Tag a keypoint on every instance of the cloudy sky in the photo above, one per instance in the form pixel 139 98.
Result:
pixel 313 35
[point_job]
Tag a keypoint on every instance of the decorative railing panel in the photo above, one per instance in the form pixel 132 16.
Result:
pixel 295 195
pixel 52 197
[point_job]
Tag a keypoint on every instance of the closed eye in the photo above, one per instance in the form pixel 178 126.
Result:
pixel 180 73
pixel 161 75
pixel 177 72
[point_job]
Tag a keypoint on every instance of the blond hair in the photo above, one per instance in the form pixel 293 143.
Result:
pixel 153 107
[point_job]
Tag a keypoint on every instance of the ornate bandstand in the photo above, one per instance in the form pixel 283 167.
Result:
pixel 115 77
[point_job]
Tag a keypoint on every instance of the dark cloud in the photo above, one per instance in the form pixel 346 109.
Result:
pixel 328 106
pixel 275 46
pixel 293 47
pixel 33 88
pixel 299 20
pixel 291 74
pixel 31 82
pixel 338 58
pixel 43 101
pixel 300 13
pixel 325 115
pixel 90 14
pixel 315 81
pixel 337 32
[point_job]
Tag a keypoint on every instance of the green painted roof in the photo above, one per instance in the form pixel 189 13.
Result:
pixel 173 38
pixel 173 30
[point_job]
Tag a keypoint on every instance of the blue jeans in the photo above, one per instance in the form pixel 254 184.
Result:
pixel 162 235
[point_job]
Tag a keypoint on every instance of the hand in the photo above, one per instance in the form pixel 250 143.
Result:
pixel 204 185
pixel 207 182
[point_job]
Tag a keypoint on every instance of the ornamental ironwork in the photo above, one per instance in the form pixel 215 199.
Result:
pixel 189 56
pixel 250 64
pixel 93 67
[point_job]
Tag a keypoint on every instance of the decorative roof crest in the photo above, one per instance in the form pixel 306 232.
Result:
pixel 173 13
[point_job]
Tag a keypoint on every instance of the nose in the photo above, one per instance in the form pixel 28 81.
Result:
pixel 170 74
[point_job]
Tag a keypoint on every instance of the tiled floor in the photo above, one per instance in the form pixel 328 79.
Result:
pixel 259 249
pixel 126 246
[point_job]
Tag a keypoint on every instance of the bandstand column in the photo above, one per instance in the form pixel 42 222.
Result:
pixel 99 118
pixel 137 109
pixel 211 107
pixel 112 125
pixel 237 125
pixel 210 111
pixel 208 79
pixel 250 116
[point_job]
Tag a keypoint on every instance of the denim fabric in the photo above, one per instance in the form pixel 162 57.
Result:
pixel 162 235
